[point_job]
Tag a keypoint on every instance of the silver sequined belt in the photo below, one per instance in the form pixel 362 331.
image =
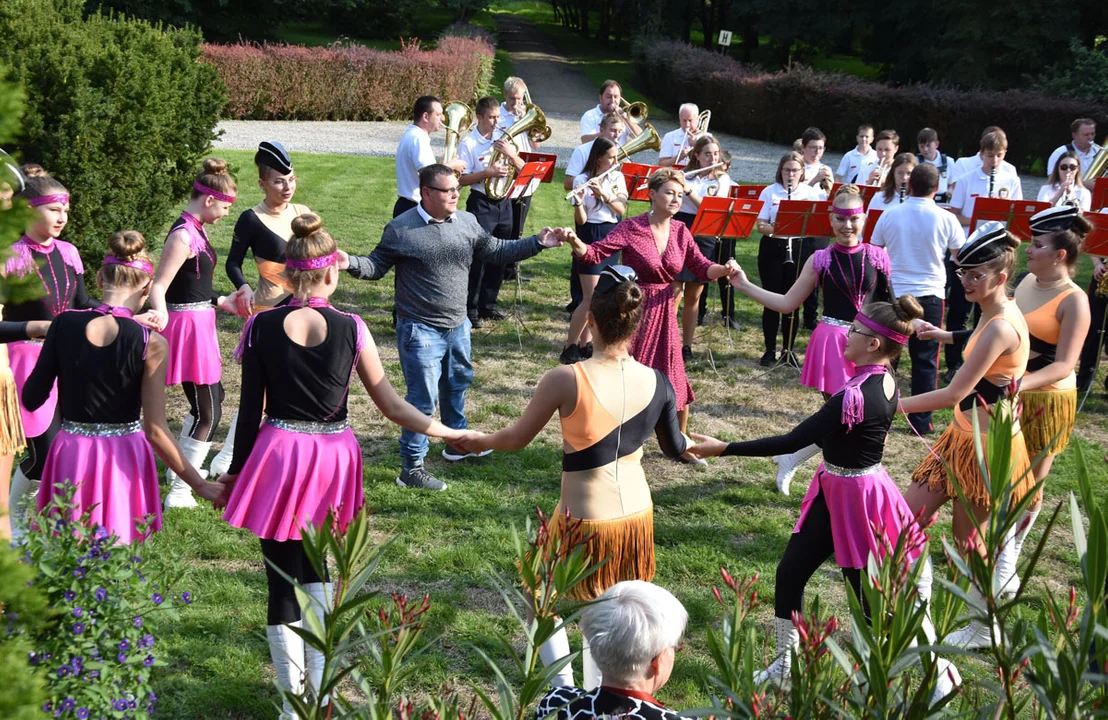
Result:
pixel 33 341
pixel 850 472
pixel 101 429
pixel 308 427
pixel 835 322
pixel 188 307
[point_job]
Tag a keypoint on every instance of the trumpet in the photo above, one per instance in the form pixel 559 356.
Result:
pixel 577 194
pixel 884 173
pixel 637 112
pixel 688 175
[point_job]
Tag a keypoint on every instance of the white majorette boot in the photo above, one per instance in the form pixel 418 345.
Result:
pixel 788 641
pixel 554 649
pixel 21 496
pixel 947 677
pixel 186 428
pixel 286 650
pixel 180 494
pixel 975 635
pixel 1006 577
pixel 222 461
pixel 591 677
pixel 787 465
pixel 322 597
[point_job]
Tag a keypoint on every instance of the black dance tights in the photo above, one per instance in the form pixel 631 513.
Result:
pixel 37 448
pixel 206 408
pixel 806 551
pixel 290 558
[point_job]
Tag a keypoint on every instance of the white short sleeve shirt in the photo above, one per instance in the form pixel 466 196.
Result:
pixel 1086 158
pixel 772 195
pixel 855 167
pixel 975 184
pixel 1084 197
pixel 597 211
pixel 705 187
pixel 673 142
pixel 413 153
pixel 916 235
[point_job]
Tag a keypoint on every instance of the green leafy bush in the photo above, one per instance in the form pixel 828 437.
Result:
pixel 118 110
pixel 1082 77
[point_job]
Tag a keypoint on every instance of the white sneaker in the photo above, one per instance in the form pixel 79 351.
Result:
pixel 974 636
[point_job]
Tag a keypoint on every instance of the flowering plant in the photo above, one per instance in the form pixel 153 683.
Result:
pixel 97 649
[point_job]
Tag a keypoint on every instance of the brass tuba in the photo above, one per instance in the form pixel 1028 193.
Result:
pixel 459 119
pixel 647 140
pixel 637 112
pixel 533 122
pixel 1098 167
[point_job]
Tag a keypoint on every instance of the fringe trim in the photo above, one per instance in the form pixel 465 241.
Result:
pixel 955 446
pixel 11 422
pixel 1047 413
pixel 627 542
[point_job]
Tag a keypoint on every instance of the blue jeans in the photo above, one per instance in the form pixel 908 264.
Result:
pixel 437 370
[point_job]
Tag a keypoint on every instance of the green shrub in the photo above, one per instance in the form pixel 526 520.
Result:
pixel 1084 76
pixel 118 110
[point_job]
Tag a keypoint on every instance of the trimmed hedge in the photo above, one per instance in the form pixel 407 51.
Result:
pixel 778 106
pixel 347 82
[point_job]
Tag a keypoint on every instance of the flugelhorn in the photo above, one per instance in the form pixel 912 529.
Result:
pixel 1098 167
pixel 496 188
pixel 637 112
pixel 578 193
pixel 459 119
pixel 647 140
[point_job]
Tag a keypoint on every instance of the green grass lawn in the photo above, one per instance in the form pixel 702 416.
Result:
pixel 728 514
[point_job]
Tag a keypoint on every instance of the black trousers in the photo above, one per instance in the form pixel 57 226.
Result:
pixel 1094 346
pixel 925 361
pixel 576 294
pixel 778 276
pixel 289 556
pixel 808 246
pixel 485 279
pixel 520 208
pixel 402 205
pixel 806 551
pixel 725 250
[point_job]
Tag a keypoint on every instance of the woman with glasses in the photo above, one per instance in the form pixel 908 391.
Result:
pixel 609 405
pixel 851 494
pixel 1064 186
pixel 778 256
pixel 996 357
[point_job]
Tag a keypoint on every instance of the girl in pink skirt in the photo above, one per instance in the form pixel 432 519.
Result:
pixel 303 461
pixel 58 267
pixel 850 493
pixel 110 371
pixel 183 302
pixel 849 274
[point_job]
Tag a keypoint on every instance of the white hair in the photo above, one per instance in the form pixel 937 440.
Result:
pixel 514 83
pixel 629 625
pixel 691 107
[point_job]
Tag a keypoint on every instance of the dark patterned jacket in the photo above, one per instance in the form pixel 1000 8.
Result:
pixel 573 703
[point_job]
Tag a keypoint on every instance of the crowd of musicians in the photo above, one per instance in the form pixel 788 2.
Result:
pixel 84 398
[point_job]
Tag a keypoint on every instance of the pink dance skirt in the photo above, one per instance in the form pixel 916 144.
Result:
pixel 855 502
pixel 22 356
pixel 825 368
pixel 193 347
pixel 116 478
pixel 294 477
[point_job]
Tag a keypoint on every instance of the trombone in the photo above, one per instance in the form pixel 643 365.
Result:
pixel 702 121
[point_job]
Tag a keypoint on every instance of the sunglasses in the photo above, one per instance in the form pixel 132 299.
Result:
pixel 1066 168
pixel 614 276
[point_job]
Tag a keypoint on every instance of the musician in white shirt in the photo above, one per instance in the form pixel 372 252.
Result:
pixel 895 189
pixel 1083 134
pixel 1064 184
pixel 512 109
pixel 973 162
pixel 858 163
pixel 888 145
pixel 993 179
pixel 928 142
pixel 612 127
pixel 413 152
pixel 611 95
pixel 677 144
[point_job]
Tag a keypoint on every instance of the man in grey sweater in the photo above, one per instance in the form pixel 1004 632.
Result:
pixel 432 247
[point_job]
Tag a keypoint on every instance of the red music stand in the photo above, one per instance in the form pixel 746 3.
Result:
pixel 1016 214
pixel 871 222
pixel 531 171
pixel 1100 194
pixel 868 191
pixel 541 157
pixel 1096 242
pixel 803 218
pixel 637 175
pixel 747 192
pixel 726 218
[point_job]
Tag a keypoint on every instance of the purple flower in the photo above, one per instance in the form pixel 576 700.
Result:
pixel 131 704
pixel 94 673
pixel 157 598
pixel 119 704
pixel 32 657
pixel 147 641
pixel 82 713
pixel 152 698
pixel 123 644
pixel 47 706
pixel 101 533
pixel 78 611
pixel 63 671
pixel 136 559
pixel 80 572
pixel 186 597
pixel 121 657
pixel 68 704
pixel 148 661
pixel 138 621
pixel 69 595
pixel 101 594
pixel 78 628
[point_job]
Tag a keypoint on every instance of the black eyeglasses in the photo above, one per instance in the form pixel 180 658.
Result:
pixel 615 275
pixel 445 191
pixel 855 331
pixel 1064 168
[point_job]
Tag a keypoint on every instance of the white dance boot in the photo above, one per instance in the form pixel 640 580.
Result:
pixel 591 677
pixel 21 497
pixel 947 677
pixel 976 635
pixel 788 642
pixel 322 597
pixel 787 465
pixel 180 494
pixel 222 461
pixel 1005 573
pixel 286 650
pixel 554 649
pixel 186 428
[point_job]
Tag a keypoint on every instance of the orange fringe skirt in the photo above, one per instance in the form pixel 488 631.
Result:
pixel 11 422
pixel 1046 414
pixel 627 542
pixel 954 448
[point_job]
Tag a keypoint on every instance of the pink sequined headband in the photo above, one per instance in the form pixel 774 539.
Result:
pixel 198 187
pixel 62 198
pixel 312 263
pixel 882 330
pixel 847 212
pixel 143 265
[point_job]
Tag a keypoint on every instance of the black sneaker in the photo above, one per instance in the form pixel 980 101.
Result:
pixel 948 376
pixel 769 357
pixel 686 353
pixel 493 315
pixel 419 479
pixel 454 454
pixel 585 351
pixel 570 355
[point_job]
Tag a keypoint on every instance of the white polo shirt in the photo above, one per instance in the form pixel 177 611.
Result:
pixel 856 167
pixel 772 195
pixel 916 235
pixel 672 144
pixel 1084 197
pixel 590 124
pixel 945 165
pixel 810 171
pixel 974 162
pixel 413 153
pixel 474 150
pixel 705 186
pixel 1086 158
pixel 579 158
pixel 976 184
pixel 601 212
pixel 878 202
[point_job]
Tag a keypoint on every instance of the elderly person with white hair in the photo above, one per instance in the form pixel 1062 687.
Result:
pixel 634 631
pixel 677 144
